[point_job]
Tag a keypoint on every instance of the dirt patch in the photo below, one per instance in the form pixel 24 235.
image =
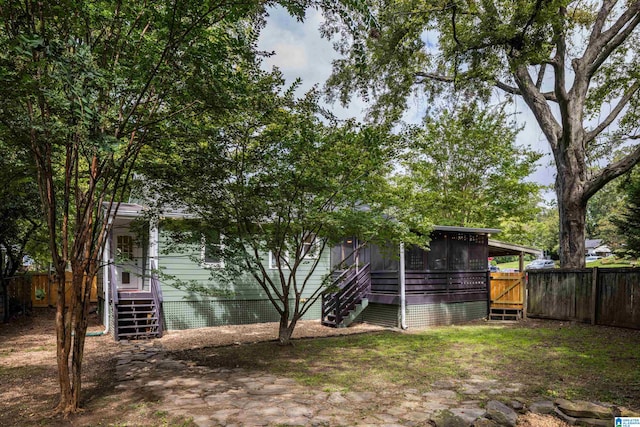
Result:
pixel 28 372
pixel 190 339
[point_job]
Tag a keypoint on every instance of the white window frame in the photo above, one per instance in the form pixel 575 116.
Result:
pixel 272 261
pixel 203 248
pixel 314 248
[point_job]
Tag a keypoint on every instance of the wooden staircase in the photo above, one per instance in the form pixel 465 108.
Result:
pixel 137 316
pixel 346 297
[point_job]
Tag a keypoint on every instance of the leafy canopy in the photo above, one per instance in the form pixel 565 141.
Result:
pixel 464 169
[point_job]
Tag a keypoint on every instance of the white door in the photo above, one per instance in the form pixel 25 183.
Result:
pixel 128 261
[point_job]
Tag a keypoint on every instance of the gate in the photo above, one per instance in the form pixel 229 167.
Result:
pixel 507 295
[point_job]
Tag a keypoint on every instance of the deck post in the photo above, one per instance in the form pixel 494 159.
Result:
pixel 521 262
pixel 403 299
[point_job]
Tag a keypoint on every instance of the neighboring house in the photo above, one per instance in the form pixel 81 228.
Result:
pixel 590 246
pixel 413 288
pixel 603 251
pixel 595 247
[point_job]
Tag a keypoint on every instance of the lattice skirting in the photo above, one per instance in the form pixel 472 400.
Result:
pixel 200 314
pixel 419 316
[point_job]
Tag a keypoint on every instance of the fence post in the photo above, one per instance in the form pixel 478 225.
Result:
pixel 525 292
pixel 594 294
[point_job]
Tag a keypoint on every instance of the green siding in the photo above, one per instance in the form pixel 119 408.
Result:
pixel 248 302
pixel 186 266
pixel 199 314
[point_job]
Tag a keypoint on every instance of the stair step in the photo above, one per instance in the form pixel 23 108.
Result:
pixel 141 306
pixel 137 311
pixel 139 334
pixel 139 325
pixel 137 319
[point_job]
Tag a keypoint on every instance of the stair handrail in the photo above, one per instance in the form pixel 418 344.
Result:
pixel 350 292
pixel 156 294
pixel 113 283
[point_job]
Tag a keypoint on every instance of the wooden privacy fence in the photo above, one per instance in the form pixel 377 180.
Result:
pixel 18 295
pixel 603 296
pixel 44 291
pixel 507 290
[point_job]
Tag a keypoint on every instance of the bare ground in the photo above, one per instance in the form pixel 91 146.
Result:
pixel 29 387
pixel 28 374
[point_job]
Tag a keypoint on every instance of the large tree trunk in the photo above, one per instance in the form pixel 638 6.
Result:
pixel 572 206
pixel 63 347
pixel 572 230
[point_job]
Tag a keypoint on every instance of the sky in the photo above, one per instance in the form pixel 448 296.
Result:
pixel 300 52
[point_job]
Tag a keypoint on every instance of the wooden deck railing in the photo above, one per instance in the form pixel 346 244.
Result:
pixel 423 287
pixel 352 288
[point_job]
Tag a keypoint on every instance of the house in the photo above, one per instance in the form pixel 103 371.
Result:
pixel 139 290
pixel 383 285
pixel 590 246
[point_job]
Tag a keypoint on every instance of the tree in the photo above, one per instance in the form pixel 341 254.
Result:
pixel 20 216
pixel 464 169
pixel 574 64
pixel 604 211
pixel 274 178
pixel 627 223
pixel 85 86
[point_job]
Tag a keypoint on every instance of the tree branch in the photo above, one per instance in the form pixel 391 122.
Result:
pixel 549 96
pixel 538 105
pixel 610 172
pixel 590 136
pixel 601 44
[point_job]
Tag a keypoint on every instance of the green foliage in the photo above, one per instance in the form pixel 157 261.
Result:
pixel 464 169
pixel 20 214
pixel 277 175
pixel 628 222
pixel 569 61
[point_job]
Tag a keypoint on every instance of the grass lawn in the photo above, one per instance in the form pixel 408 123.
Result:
pixel 551 359
pixel 601 263
pixel 512 264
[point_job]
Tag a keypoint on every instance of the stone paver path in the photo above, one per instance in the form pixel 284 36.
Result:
pixel 237 397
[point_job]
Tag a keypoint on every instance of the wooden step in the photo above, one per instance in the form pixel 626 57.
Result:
pixel 139 335
pixel 505 314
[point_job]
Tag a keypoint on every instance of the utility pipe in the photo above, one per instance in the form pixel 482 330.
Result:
pixel 105 283
pixel 403 298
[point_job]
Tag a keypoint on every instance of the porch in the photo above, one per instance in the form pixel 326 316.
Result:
pixel 447 283
pixel 130 285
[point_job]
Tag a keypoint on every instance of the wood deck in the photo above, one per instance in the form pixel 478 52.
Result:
pixel 425 287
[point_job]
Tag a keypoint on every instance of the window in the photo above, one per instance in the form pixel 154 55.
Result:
pixel 211 252
pixel 438 252
pixel 459 251
pixel 311 247
pixel 124 247
pixel 284 260
pixel 414 258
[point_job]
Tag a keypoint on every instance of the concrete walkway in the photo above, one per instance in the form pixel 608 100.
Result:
pixel 237 397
